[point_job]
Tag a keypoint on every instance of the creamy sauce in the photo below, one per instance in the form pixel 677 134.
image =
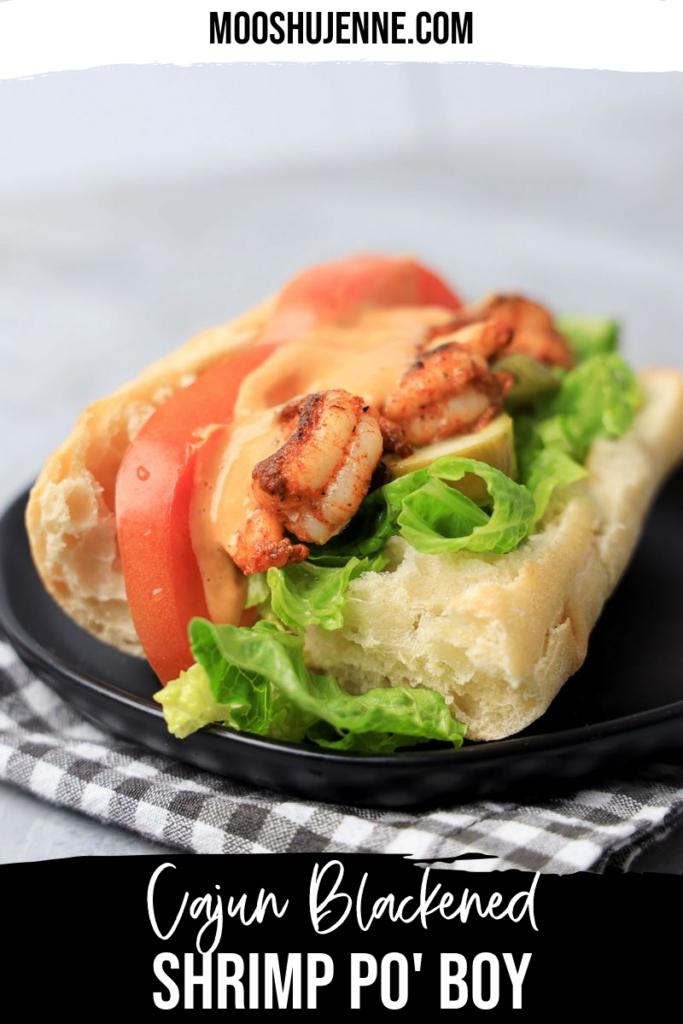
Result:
pixel 366 358
pixel 225 587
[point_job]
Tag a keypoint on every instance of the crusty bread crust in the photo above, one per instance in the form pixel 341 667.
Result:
pixel 498 635
pixel 70 515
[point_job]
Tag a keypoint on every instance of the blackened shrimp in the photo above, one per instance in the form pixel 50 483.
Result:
pixel 315 482
pixel 450 389
pixel 533 330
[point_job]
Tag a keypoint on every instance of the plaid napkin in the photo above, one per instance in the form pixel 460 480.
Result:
pixel 51 750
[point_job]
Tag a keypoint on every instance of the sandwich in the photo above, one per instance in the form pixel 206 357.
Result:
pixel 364 515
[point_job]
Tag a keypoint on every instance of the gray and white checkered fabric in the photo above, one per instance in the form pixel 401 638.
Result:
pixel 50 750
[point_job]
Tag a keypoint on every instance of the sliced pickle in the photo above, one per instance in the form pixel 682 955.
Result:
pixel 532 378
pixel 493 444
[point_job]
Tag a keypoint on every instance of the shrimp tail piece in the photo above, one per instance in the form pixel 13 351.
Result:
pixel 395 442
pixel 262 544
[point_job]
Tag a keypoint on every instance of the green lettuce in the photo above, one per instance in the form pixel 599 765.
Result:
pixel 550 470
pixel 258 591
pixel 436 518
pixel 188 703
pixel 256 680
pixel 314 594
pixel 589 335
pixel 598 398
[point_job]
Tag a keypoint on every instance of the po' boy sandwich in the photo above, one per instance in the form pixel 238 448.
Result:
pixel 363 515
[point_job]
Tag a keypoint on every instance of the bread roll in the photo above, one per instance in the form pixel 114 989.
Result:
pixel 498 635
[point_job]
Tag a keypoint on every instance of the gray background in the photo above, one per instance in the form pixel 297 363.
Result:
pixel 140 204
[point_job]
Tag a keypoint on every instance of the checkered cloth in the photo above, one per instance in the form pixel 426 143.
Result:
pixel 50 750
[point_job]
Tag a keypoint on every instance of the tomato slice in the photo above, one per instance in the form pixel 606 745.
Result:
pixel 153 494
pixel 155 481
pixel 333 290
pixel 432 291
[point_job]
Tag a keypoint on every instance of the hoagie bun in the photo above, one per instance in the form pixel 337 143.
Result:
pixel 497 635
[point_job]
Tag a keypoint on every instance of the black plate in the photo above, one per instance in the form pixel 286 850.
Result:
pixel 626 702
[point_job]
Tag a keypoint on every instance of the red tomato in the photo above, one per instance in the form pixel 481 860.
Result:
pixel 432 291
pixel 324 293
pixel 153 493
pixel 155 482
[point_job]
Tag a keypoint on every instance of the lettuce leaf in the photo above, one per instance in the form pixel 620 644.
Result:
pixel 598 398
pixel 259 675
pixel 233 683
pixel 324 735
pixel 550 470
pixel 188 703
pixel 258 591
pixel 589 335
pixel 436 518
pixel 314 594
